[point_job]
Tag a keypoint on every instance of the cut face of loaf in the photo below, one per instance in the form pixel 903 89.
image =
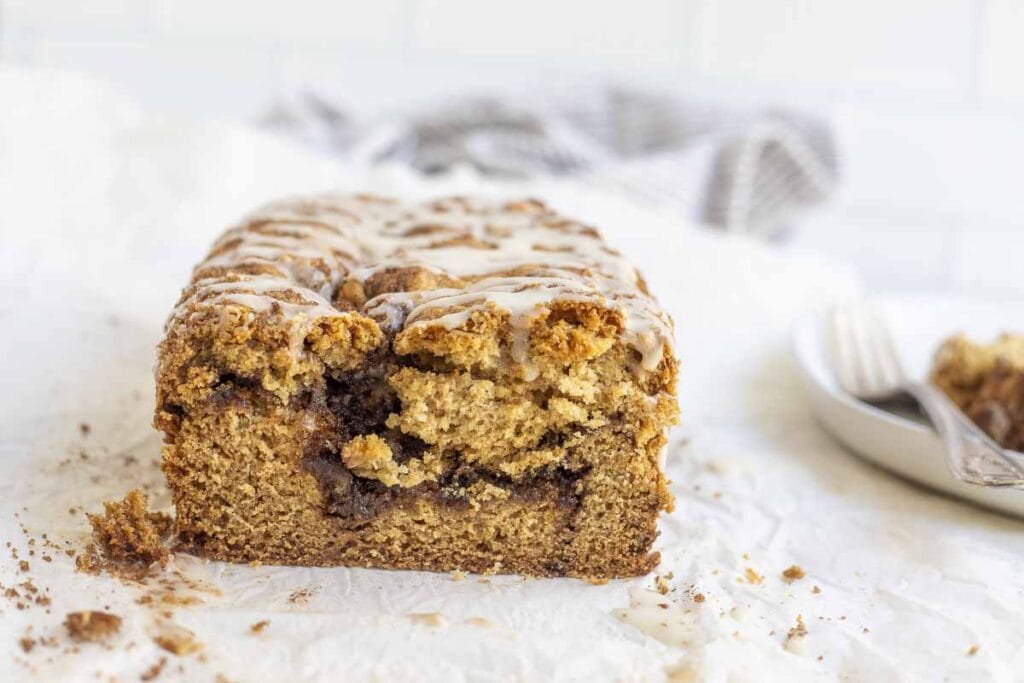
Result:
pixel 459 384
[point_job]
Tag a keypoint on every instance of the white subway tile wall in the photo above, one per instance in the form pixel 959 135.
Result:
pixel 961 51
pixel 369 23
pixel 1001 45
pixel 43 16
pixel 927 95
pixel 642 33
pixel 987 260
pixel 909 46
pixel 208 78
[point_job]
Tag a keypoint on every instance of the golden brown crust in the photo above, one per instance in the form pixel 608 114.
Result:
pixel 324 407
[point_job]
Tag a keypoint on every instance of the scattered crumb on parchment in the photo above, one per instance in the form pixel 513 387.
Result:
pixel 428 618
pixel 177 640
pixel 793 573
pixel 90 626
pixel 154 671
pixel 301 596
pixel 795 636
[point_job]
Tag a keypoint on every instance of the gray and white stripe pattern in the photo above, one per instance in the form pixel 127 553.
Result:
pixel 739 170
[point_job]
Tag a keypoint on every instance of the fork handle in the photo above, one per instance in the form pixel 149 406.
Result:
pixel 971 454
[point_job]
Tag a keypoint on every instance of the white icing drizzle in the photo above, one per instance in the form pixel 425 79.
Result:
pixel 518 257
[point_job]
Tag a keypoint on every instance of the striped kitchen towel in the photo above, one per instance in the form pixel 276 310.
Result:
pixel 740 169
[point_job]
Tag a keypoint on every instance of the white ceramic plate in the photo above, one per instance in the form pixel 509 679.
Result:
pixel 897 440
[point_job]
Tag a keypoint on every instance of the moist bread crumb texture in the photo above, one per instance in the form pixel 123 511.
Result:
pixel 987 382
pixel 454 385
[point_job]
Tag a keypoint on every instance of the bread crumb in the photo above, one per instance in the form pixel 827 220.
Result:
pixel 753 577
pixel 793 573
pixel 90 626
pixel 27 644
pixel 798 631
pixel 458 575
pixel 973 650
pixel 480 621
pixel 177 640
pixel 698 597
pixel 661 584
pixel 816 590
pixel 154 671
pixel 172 598
pixel 259 626
pixel 427 618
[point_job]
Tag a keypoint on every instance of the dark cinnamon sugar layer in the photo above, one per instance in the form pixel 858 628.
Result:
pixel 452 385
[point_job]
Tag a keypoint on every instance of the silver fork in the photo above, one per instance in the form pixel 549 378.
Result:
pixel 866 364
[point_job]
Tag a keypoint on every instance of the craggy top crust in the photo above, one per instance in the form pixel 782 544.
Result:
pixel 320 284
